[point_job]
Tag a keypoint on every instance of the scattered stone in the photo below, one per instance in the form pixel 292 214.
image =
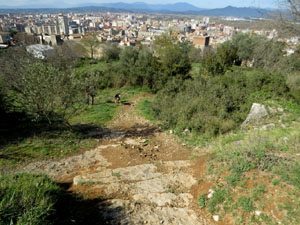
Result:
pixel 211 192
pixel 171 132
pixel 238 142
pixel 285 139
pixel 280 109
pixel 258 213
pixel 271 110
pixel 130 141
pixel 283 126
pixel 268 126
pixel 186 131
pixel 216 218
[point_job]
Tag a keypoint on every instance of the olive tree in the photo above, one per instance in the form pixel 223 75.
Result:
pixel 44 92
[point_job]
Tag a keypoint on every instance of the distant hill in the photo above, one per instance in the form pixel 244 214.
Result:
pixel 237 12
pixel 141 7
pixel 177 7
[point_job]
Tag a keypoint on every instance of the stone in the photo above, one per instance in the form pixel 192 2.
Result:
pixel 211 192
pixel 257 112
pixel 268 126
pixel 39 51
pixel 257 213
pixel 280 109
pixel 130 141
pixel 271 110
pixel 216 218
pixel 171 132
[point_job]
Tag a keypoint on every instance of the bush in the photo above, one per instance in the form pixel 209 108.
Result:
pixel 27 199
pixel 215 104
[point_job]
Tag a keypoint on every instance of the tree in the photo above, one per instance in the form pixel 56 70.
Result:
pixel 89 81
pixel 245 45
pixel 44 92
pixel 219 61
pixel 289 16
pixel 174 57
pixel 91 42
pixel 111 51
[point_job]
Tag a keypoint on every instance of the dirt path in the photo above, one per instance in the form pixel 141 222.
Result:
pixel 144 174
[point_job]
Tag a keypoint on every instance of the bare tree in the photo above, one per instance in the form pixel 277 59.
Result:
pixel 289 16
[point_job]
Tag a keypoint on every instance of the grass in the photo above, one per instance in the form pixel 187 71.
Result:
pixel 144 108
pixel 116 174
pixel 104 108
pixel 240 154
pixel 27 199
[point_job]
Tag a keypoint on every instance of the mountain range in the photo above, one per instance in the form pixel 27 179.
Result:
pixel 140 7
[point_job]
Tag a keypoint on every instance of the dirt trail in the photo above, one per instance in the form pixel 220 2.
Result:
pixel 144 174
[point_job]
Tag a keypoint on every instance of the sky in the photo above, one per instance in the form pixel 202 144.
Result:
pixel 198 3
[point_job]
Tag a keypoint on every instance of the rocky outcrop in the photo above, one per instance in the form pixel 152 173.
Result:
pixel 257 112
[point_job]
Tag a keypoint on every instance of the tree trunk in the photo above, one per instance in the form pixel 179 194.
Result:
pixel 87 98
pixel 92 99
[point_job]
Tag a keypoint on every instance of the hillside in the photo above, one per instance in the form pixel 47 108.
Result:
pixel 194 138
pixel 140 7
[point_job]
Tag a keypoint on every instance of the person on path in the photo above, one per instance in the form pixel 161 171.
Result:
pixel 118 98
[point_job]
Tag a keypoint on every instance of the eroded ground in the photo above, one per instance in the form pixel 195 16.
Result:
pixel 143 174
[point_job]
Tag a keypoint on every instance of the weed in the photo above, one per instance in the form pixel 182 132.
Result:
pixel 171 190
pixel 202 201
pixel 234 178
pixel 218 198
pixel 258 191
pixel 116 174
pixel 275 182
pixel 246 204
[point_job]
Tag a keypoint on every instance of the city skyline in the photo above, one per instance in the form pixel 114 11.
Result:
pixel 201 4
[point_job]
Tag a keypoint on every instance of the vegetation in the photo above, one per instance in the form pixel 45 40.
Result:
pixel 51 107
pixel 27 199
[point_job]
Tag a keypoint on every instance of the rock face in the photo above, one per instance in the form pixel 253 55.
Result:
pixel 156 197
pixel 39 51
pixel 257 112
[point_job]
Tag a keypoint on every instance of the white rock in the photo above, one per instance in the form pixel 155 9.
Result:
pixel 216 218
pixel 280 109
pixel 130 141
pixel 271 110
pixel 268 126
pixel 257 213
pixel 210 195
pixel 171 132
pixel 39 50
pixel 257 112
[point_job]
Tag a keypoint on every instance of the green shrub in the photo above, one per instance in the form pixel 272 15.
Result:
pixel 27 199
pixel 202 200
